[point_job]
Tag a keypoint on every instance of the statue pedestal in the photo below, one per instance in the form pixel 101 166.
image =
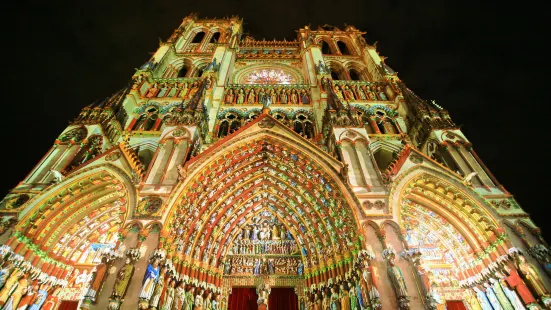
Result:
pixel 114 304
pixel 86 304
pixel 262 306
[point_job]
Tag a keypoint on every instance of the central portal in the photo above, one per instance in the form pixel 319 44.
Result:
pixel 246 298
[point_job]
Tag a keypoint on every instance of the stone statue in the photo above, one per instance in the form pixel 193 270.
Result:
pixel 398 283
pixel 263 292
pixel 321 68
pixel 150 279
pixel 530 276
pixel 123 279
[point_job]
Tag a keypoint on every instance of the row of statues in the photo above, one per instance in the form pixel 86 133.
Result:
pixel 18 290
pixel 162 290
pixel 264 231
pixel 264 247
pixel 511 286
pixel 263 266
pixel 349 92
pixel 360 92
pixel 183 90
pixel 266 96
pixel 343 296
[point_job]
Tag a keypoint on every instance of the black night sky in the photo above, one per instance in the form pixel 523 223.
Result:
pixel 485 62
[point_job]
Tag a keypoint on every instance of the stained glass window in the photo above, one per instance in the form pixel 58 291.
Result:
pixel 269 76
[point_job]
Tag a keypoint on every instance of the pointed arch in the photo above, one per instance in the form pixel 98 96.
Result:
pixel 441 216
pixel 88 207
pixel 233 180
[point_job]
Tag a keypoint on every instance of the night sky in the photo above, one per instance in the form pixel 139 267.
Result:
pixel 486 63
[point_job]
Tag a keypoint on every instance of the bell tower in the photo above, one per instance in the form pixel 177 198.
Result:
pixel 307 165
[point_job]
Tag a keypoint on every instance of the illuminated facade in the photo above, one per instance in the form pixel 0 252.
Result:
pixel 303 173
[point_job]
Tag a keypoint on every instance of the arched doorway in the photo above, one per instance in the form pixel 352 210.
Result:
pixel 263 212
pixel 71 231
pixel 448 236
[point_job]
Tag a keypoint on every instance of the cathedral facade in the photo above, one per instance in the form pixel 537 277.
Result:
pixel 235 173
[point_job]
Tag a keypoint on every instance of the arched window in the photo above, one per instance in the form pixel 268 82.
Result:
pixel 385 124
pixel 92 148
pixel 198 37
pixel 325 49
pixel 199 71
pixel 280 117
pixel 215 37
pixel 303 126
pixel 229 124
pixel 252 116
pixel 334 74
pixel 184 71
pixel 354 75
pixel 147 120
pixel 343 48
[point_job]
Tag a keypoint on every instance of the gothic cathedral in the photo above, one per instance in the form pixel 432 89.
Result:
pixel 235 173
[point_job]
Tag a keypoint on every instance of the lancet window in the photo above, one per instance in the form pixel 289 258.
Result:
pixel 198 38
pixel 343 48
pixel 149 120
pixel 303 126
pixel 92 148
pixel 230 123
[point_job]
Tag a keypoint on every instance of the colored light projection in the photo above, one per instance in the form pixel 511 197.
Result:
pixel 269 76
pixel 442 247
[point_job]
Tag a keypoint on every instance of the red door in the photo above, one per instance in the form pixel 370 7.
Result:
pixel 68 305
pixel 455 305
pixel 283 298
pixel 243 298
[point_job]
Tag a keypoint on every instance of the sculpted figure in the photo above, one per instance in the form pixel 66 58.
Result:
pixel 159 288
pixel 5 274
pixel 240 97
pixel 18 291
pixel 345 299
pixel 516 283
pixel 150 279
pixel 199 302
pixel 284 98
pixel 189 299
pixel 398 283
pixel 334 302
pixel 183 93
pixel 11 283
pixel 152 92
pixel 42 298
pixel 229 97
pixel 123 279
pixel 194 89
pixel 98 277
pixel 294 97
pixel 180 296
pixel 27 299
pixel 168 296
pixel 251 98
pixel 530 276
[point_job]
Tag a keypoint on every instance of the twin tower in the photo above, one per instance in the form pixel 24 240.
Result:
pixel 301 167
